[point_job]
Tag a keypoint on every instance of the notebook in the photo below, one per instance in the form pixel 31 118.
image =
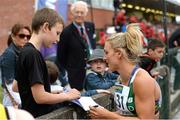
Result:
pixel 85 102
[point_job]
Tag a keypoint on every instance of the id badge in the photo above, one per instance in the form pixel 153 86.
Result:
pixel 121 97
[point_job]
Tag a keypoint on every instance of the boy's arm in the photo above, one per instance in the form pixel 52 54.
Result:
pixel 40 95
pixel 95 82
pixel 113 77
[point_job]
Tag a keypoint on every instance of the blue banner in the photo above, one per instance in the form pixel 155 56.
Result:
pixel 60 6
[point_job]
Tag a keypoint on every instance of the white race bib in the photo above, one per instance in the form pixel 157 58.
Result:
pixel 121 99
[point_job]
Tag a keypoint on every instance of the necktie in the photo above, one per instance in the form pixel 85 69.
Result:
pixel 82 34
pixel 82 31
pixel 85 39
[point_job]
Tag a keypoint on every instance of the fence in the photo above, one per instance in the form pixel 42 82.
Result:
pixel 174 69
pixel 75 112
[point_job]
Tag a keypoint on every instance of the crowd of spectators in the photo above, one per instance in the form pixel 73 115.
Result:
pixel 74 62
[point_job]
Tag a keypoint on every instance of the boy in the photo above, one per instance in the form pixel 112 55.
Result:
pixel 155 51
pixel 97 77
pixel 53 72
pixel 32 74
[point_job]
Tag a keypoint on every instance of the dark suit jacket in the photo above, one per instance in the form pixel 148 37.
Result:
pixel 72 53
pixel 174 36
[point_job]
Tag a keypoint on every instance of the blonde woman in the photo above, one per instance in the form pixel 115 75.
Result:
pixel 138 95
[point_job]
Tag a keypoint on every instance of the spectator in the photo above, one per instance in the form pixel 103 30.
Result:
pixel 32 75
pixel 53 72
pixel 97 77
pixel 174 44
pixel 133 19
pixel 10 113
pixel 174 40
pixel 102 38
pixel 120 21
pixel 49 53
pixel 137 90
pixel 20 34
pixel 75 46
pixel 155 51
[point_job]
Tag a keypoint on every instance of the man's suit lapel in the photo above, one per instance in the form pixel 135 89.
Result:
pixel 77 35
pixel 88 29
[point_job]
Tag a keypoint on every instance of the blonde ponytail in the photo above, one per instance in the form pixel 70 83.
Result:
pixel 134 38
pixel 130 41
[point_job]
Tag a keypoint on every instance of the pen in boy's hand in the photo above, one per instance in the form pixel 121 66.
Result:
pixel 95 106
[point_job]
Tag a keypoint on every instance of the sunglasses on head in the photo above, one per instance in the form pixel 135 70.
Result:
pixel 22 36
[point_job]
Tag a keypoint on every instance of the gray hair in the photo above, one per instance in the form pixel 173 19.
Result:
pixel 82 3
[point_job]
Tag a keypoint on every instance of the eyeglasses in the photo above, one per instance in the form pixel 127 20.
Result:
pixel 22 36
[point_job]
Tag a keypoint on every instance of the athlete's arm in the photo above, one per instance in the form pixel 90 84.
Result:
pixel 144 90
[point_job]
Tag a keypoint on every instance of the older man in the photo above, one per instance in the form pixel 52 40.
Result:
pixel 76 43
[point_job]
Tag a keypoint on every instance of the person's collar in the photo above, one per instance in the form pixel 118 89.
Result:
pixel 98 72
pixel 79 26
pixel 16 48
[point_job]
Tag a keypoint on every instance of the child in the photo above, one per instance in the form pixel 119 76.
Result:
pixel 53 73
pixel 32 74
pixel 97 77
pixel 155 51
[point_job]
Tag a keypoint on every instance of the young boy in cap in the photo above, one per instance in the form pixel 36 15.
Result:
pixel 97 77
pixel 155 51
pixel 54 72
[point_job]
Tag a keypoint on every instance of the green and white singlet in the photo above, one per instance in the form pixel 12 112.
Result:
pixel 125 100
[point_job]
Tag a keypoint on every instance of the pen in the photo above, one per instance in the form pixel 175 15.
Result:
pixel 95 106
